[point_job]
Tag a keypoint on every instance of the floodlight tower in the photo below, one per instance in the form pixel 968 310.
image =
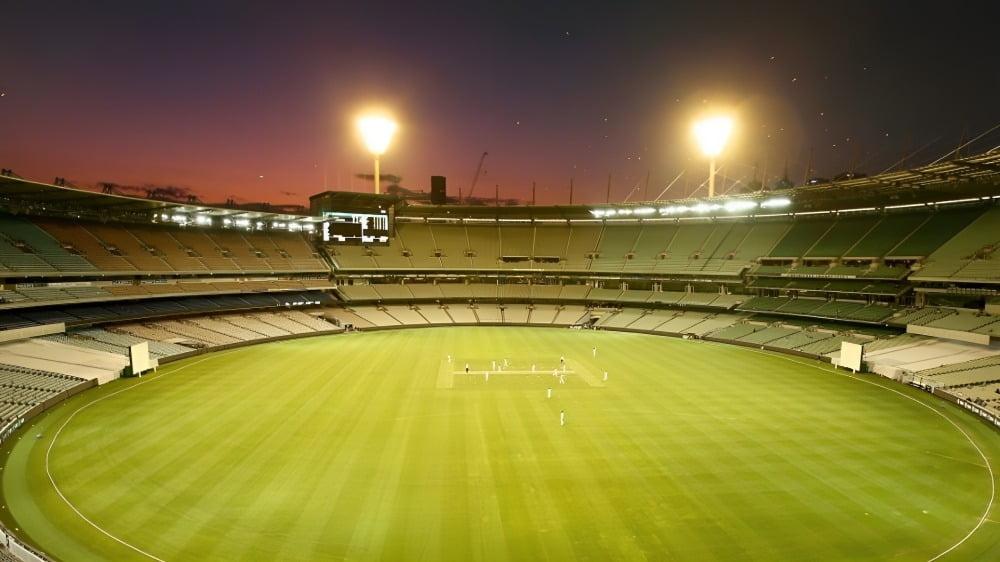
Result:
pixel 712 134
pixel 377 132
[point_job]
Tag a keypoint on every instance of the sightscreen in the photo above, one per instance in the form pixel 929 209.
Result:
pixel 851 355
pixel 139 356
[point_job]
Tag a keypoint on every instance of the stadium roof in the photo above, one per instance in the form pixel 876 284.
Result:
pixel 23 196
pixel 964 177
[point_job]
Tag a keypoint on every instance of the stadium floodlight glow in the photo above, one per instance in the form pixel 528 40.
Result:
pixel 775 203
pixel 739 205
pixel 377 132
pixel 643 211
pixel 706 207
pixel 674 210
pixel 712 134
pixel 243 223
pixel 969 200
pixel 909 205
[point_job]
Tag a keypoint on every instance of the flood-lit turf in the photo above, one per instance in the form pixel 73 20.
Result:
pixel 373 447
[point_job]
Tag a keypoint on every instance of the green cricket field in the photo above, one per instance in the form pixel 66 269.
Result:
pixel 503 443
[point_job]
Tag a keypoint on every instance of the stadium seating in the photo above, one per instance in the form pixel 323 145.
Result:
pixel 23 388
pixel 516 314
pixel 551 241
pixel 766 280
pixel 968 254
pixel 543 314
pixel 26 248
pixel 937 229
pixel 684 322
pixel 462 314
pixel 582 246
pixel 841 237
pixel 405 315
pixel 434 314
pixel 802 236
pixel 417 241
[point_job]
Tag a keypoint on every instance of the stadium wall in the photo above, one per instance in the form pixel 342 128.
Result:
pixel 987 416
pixel 31 332
pixel 765 347
pixel 971 337
pixel 201 351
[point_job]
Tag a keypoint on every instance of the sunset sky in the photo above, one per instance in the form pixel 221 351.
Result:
pixel 257 100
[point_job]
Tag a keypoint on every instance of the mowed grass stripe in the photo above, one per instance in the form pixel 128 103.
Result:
pixel 588 520
pixel 335 503
pixel 419 503
pixel 457 511
pixel 690 451
pixel 526 431
pixel 191 458
pixel 206 461
pixel 279 476
pixel 397 406
pixel 124 514
pixel 351 436
pixel 358 429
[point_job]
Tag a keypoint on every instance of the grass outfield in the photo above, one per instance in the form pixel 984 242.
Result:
pixel 371 446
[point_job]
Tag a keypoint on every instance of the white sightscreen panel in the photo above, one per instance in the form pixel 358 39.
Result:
pixel 139 355
pixel 851 355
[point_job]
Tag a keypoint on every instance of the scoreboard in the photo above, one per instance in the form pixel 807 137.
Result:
pixel 355 218
pixel 371 227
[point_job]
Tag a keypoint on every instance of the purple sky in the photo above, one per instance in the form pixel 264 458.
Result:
pixel 256 100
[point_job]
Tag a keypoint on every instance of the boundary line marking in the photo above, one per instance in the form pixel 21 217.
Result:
pixel 55 437
pixel 989 468
pixel 982 520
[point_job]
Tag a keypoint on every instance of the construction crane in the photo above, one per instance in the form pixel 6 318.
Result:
pixel 475 179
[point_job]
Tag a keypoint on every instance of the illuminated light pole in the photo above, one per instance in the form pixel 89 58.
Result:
pixel 712 135
pixel 377 132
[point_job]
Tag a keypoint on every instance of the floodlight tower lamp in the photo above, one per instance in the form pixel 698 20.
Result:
pixel 712 135
pixel 377 131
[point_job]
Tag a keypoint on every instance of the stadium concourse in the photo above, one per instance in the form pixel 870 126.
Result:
pixel 904 264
